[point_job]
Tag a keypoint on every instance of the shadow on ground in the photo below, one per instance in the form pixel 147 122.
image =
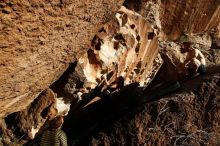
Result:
pixel 83 124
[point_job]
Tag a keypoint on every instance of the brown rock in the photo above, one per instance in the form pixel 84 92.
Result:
pixel 41 39
pixel 217 56
pixel 7 10
pixel 128 54
pixel 177 17
pixel 189 16
pixel 35 51
pixel 42 109
pixel 2 5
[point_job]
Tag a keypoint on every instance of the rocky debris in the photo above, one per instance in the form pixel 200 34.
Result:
pixel 188 117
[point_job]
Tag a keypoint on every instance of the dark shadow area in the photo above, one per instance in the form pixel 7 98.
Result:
pixel 64 78
pixel 215 45
pixel 11 122
pixel 81 124
pixel 58 86
pixel 196 81
pixel 84 122
pixel 134 5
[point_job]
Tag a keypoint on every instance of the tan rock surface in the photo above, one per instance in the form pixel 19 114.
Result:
pixel 38 39
pixel 189 16
pixel 128 52
pixel 178 17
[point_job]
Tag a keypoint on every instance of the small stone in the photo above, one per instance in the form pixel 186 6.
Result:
pixel 15 8
pixel 10 3
pixel 7 10
pixel 2 5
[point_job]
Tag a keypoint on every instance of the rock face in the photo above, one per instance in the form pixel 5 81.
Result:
pixel 38 41
pixel 124 50
pixel 188 16
pixel 43 109
pixel 178 17
pixel 33 118
pixel 30 62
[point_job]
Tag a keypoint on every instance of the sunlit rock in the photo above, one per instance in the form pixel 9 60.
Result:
pixel 127 48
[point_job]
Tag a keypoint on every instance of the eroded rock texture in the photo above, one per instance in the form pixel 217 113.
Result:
pixel 178 17
pixel 28 28
pixel 124 50
pixel 33 118
pixel 188 16
pixel 38 41
pixel 40 38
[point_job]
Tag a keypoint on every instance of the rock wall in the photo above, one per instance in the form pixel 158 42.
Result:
pixel 124 50
pixel 38 39
pixel 178 17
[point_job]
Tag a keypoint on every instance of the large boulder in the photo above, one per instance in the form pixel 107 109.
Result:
pixel 38 41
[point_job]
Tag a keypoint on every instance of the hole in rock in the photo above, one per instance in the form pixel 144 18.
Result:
pixel 150 35
pixel 133 4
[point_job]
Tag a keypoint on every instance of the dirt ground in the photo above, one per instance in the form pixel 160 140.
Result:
pixel 188 117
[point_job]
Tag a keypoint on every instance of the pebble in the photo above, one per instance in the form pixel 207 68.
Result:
pixel 15 8
pixel 2 5
pixel 7 10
